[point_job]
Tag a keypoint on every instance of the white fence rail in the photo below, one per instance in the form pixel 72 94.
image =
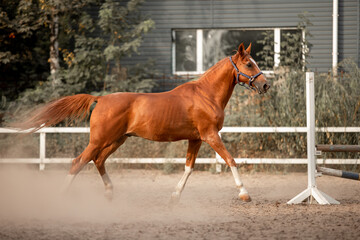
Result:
pixel 42 160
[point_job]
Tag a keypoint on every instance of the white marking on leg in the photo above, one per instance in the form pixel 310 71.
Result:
pixel 244 195
pixel 236 175
pixel 108 186
pixel 68 180
pixel 243 191
pixel 107 181
pixel 182 182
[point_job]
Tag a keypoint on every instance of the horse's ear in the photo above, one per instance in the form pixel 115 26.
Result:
pixel 241 50
pixel 248 50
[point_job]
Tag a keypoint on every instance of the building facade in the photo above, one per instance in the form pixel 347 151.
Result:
pixel 190 35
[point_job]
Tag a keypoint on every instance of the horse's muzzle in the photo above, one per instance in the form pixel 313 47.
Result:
pixel 266 87
pixel 262 87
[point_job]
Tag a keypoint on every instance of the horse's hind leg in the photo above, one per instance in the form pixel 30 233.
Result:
pixel 100 165
pixel 192 152
pixel 90 152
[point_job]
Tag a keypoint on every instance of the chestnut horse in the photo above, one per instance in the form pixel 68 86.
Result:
pixel 192 111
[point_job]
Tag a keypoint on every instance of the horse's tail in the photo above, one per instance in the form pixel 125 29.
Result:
pixel 75 107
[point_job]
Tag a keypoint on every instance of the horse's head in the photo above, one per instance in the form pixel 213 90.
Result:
pixel 248 72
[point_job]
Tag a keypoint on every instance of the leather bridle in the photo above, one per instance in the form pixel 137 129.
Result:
pixel 251 78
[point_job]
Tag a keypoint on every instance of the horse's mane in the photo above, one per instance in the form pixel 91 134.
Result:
pixel 214 68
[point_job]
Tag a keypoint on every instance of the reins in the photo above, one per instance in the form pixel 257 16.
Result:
pixel 251 78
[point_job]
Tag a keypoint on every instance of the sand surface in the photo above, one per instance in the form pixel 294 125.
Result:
pixel 32 208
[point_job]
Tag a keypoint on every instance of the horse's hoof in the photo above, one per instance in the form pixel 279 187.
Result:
pixel 175 197
pixel 245 197
pixel 108 195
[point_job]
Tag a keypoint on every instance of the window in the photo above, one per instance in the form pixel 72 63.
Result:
pixel 185 50
pixel 196 50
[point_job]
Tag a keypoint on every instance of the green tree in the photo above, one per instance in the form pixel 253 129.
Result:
pixel 295 45
pixel 84 50
pixel 101 44
pixel 53 14
pixel 267 53
pixel 23 48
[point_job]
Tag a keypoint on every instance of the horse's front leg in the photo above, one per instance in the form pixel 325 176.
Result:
pixel 193 149
pixel 215 142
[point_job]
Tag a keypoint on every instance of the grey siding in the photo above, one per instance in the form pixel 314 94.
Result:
pixel 349 29
pixel 171 14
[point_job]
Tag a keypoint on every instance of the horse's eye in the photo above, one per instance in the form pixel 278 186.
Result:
pixel 249 64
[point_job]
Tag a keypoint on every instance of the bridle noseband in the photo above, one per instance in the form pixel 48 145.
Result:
pixel 251 78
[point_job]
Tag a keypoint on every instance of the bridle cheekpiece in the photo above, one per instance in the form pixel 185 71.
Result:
pixel 251 78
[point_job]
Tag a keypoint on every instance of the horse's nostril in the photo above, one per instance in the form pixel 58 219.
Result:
pixel 266 86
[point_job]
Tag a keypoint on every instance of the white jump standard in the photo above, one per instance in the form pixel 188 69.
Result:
pixel 312 192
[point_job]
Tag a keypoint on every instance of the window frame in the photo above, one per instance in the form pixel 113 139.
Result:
pixel 199 47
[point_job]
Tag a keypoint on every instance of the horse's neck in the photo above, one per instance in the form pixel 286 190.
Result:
pixel 218 83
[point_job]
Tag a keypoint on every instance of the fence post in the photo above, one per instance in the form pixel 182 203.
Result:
pixel 42 151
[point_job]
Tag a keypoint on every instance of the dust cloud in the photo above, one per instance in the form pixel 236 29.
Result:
pixel 32 207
